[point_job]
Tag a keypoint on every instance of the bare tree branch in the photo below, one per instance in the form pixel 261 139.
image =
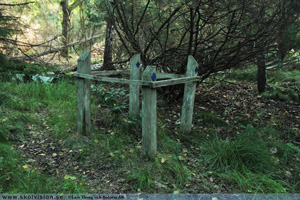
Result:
pixel 18 4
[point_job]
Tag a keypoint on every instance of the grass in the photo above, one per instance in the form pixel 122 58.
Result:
pixel 247 151
pixel 208 118
pixel 16 177
pixel 58 99
pixel 256 159
pixel 165 170
pixel 280 93
pixel 254 162
pixel 122 147
pixel 249 182
pixel 247 74
pixel 21 104
pixel 283 84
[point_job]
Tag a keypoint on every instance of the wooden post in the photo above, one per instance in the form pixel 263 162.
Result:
pixel 84 95
pixel 149 142
pixel 189 96
pixel 134 88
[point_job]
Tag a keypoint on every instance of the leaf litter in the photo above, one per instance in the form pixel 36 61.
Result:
pixel 235 104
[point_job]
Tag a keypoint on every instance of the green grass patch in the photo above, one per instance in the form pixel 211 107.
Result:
pixel 165 169
pixel 58 100
pixel 246 74
pixel 246 151
pixel 279 93
pixel 24 107
pixel 249 182
pixel 283 85
pixel 210 119
pixel 287 77
pixel 255 161
pixel 17 177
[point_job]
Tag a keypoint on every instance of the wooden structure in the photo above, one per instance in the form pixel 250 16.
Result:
pixel 151 80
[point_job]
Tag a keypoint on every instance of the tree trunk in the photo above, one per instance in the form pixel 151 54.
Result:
pixel 65 26
pixel 261 72
pixel 261 63
pixel 107 64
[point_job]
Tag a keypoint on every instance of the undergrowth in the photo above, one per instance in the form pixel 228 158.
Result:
pixel 255 159
pixel 17 177
pixel 252 161
pixel 33 106
pixel 247 74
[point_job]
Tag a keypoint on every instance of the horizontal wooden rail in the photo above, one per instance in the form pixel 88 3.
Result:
pixel 127 72
pixel 168 76
pixel 151 80
pixel 176 81
pixel 111 80
pixel 110 72
pixel 151 84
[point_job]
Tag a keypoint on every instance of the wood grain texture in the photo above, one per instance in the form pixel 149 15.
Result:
pixel 149 116
pixel 84 95
pixel 189 97
pixel 134 88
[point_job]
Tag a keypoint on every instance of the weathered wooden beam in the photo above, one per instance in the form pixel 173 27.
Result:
pixel 134 88
pixel 84 95
pixel 149 142
pixel 175 81
pixel 168 76
pixel 111 80
pixel 151 84
pixel 127 72
pixel 189 96
pixel 156 84
pixel 110 72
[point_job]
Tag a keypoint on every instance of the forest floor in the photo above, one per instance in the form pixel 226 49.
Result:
pixel 110 161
